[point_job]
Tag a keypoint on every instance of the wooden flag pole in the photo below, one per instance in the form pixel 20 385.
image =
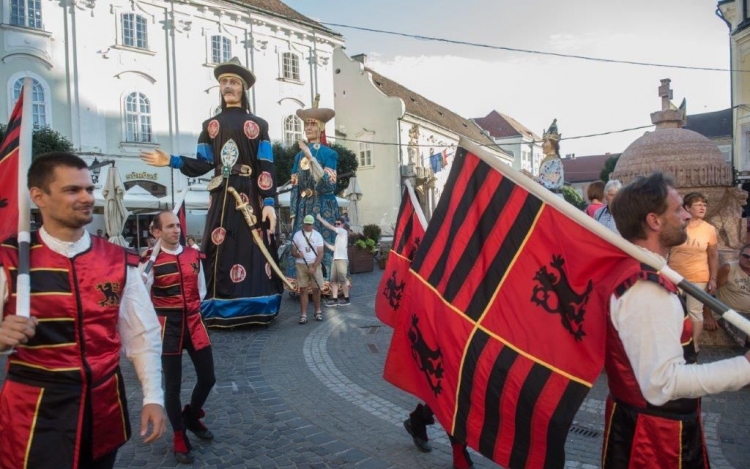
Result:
pixel 642 255
pixel 23 282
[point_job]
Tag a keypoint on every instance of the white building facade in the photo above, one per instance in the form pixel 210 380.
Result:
pixel 396 134
pixel 116 77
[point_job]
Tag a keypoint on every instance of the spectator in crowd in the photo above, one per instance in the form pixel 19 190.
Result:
pixel 595 194
pixel 191 243
pixel 733 289
pixel 340 265
pixel 604 215
pixel 307 249
pixel 697 260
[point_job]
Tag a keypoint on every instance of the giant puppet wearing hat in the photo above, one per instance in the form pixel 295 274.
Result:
pixel 314 179
pixel 240 263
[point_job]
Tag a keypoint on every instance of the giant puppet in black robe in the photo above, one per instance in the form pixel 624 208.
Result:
pixel 241 285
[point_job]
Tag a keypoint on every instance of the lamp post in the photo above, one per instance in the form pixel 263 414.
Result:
pixel 96 168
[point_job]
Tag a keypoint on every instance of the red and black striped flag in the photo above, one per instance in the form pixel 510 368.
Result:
pixel 503 331
pixel 9 173
pixel 409 232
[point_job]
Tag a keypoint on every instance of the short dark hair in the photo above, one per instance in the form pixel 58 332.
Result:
pixel 189 238
pixel 692 198
pixel 635 201
pixel 595 190
pixel 156 222
pixel 42 170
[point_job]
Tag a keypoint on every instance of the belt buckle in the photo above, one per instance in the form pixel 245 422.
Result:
pixel 245 170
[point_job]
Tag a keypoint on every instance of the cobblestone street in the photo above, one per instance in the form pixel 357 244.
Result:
pixel 312 396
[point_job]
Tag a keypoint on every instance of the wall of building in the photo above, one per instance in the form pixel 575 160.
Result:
pixel 86 70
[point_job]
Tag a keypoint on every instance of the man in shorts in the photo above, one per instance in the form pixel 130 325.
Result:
pixel 340 265
pixel 307 248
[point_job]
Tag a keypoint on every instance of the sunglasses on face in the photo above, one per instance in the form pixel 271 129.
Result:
pixel 338 224
pixel 746 256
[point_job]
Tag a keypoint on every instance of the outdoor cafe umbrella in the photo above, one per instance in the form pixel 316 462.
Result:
pixel 354 194
pixel 115 212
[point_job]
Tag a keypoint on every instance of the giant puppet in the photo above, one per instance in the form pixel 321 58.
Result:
pixel 242 277
pixel 314 176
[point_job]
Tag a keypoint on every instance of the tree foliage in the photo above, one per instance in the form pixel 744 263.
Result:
pixel 283 157
pixel 609 166
pixel 571 196
pixel 44 140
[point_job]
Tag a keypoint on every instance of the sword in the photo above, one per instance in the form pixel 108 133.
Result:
pixel 252 220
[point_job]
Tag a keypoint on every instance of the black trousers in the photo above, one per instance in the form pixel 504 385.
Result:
pixel 203 361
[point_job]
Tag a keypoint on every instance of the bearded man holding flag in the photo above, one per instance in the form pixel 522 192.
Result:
pixel 509 308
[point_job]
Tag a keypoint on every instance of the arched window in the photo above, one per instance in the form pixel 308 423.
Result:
pixel 292 129
pixel 134 31
pixel 27 13
pixel 38 101
pixel 137 118
pixel 290 66
pixel 221 49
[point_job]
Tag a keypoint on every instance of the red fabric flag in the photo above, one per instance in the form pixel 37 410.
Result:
pixel 409 232
pixel 9 173
pixel 504 333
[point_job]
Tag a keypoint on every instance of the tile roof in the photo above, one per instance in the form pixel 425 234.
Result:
pixel 280 9
pixel 432 112
pixel 711 124
pixel 585 168
pixel 502 126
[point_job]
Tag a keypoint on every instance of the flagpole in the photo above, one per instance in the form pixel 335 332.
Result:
pixel 642 255
pixel 23 282
pixel 157 246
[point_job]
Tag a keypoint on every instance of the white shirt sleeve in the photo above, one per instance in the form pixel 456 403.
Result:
pixel 649 321
pixel 140 334
pixel 201 281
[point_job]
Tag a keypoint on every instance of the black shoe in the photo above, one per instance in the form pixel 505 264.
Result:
pixel 185 458
pixel 345 302
pixel 195 425
pixel 423 445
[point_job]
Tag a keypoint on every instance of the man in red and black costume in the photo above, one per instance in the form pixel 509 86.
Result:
pixel 653 415
pixel 177 286
pixel 63 405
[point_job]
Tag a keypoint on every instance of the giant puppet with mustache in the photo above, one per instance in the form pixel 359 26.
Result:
pixel 240 266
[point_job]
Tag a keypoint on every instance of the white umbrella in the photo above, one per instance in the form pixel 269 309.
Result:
pixel 115 212
pixel 354 193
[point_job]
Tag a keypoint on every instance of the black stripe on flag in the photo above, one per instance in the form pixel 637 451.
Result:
pixel 478 238
pixel 12 132
pixel 473 185
pixel 405 234
pixel 441 211
pixel 504 257
pixel 476 346
pixel 528 397
pixel 495 385
pixel 559 423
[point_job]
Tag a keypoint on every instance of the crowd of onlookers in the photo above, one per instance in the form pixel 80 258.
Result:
pixel 697 259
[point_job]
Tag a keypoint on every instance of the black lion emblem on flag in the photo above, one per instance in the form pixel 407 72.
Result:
pixel 566 302
pixel 429 361
pixel 393 291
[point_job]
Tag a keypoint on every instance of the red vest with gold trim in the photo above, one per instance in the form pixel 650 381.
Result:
pixel 74 355
pixel 622 382
pixel 177 300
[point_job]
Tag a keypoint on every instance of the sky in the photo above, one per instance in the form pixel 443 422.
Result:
pixel 585 97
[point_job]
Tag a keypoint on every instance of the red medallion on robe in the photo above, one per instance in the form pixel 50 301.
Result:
pixel 251 130
pixel 213 128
